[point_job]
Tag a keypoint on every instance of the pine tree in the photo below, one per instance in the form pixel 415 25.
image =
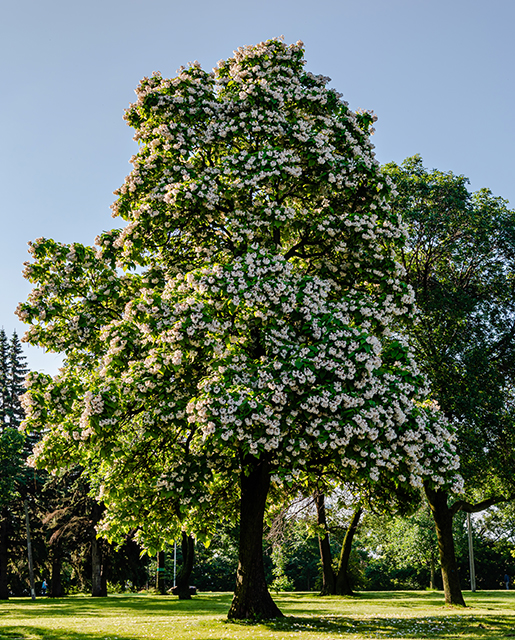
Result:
pixel 4 379
pixel 12 372
pixel 17 371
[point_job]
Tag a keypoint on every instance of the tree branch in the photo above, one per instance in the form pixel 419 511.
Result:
pixel 467 507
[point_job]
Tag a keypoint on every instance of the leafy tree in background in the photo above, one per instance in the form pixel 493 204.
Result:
pixel 216 563
pixel 302 564
pixel 402 551
pixel 69 515
pixel 237 332
pixel 460 260
pixel 76 559
pixel 494 546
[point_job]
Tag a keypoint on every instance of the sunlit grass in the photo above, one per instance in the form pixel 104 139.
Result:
pixel 384 615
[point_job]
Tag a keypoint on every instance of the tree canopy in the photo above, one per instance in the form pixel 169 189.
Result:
pixel 460 260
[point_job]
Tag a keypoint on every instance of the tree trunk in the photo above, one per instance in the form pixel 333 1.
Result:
pixel 56 586
pixel 160 578
pixel 251 597
pixel 328 577
pixel 4 553
pixel 443 522
pixel 184 575
pixel 98 573
pixel 343 586
pixel 96 564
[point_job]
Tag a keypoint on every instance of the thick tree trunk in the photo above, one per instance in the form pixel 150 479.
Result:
pixel 251 597
pixel 328 577
pixel 4 553
pixel 56 586
pixel 443 522
pixel 96 564
pixel 184 575
pixel 343 586
pixel 98 573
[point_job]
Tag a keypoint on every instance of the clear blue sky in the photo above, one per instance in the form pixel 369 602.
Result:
pixel 438 73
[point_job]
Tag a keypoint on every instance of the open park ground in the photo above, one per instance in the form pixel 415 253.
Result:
pixel 400 614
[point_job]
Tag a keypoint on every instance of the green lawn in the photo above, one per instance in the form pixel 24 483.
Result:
pixel 401 614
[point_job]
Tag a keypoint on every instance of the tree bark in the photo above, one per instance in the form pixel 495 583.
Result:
pixel 96 567
pixel 56 586
pixel 343 586
pixel 98 574
pixel 4 553
pixel 443 515
pixel 328 577
pixel 251 597
pixel 184 574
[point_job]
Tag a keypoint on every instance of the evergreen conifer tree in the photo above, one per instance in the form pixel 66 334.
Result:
pixel 11 444
pixel 4 379
pixel 12 372
pixel 17 370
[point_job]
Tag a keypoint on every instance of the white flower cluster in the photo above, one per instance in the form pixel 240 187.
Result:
pixel 93 404
pixel 276 402
pixel 283 130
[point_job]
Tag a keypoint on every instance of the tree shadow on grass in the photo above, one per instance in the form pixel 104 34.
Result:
pixel 299 605
pixel 115 606
pixel 443 626
pixel 33 632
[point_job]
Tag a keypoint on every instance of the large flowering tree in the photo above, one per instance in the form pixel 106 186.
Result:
pixel 242 328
